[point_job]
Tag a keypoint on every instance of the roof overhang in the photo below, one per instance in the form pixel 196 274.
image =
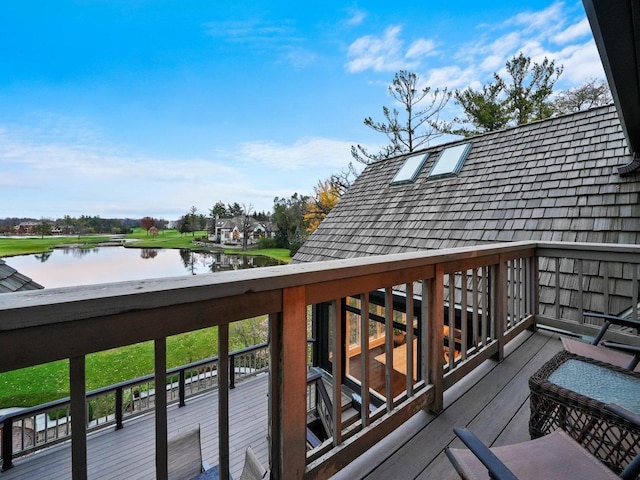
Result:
pixel 616 29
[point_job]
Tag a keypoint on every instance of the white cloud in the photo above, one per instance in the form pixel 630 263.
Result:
pixel 387 53
pixel 581 63
pixel 537 34
pixel 302 154
pixel 421 48
pixel 356 17
pixel 549 19
pixel 574 32
pixel 98 180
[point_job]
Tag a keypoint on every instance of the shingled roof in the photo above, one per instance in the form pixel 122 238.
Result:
pixel 554 179
pixel 13 281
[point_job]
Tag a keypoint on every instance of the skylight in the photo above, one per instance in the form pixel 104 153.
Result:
pixel 450 160
pixel 409 171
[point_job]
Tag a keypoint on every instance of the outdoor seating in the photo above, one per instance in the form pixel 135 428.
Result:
pixel 253 469
pixel 554 456
pixel 185 454
pixel 622 355
pixel 571 393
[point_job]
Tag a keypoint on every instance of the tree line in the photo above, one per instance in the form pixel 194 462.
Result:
pixel 522 94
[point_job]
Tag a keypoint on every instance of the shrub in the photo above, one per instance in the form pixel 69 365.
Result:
pixel 265 243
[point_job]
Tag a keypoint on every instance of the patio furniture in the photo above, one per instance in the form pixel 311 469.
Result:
pixel 253 469
pixel 185 454
pixel 555 456
pixel 570 392
pixel 626 356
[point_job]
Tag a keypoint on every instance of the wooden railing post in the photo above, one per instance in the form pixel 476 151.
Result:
pixel 223 399
pixel 288 441
pixel 435 337
pixel 499 293
pixel 160 382
pixel 78 418
pixel 232 372
pixel 7 444
pixel 119 400
pixel 275 380
pixel 534 288
pixel 182 394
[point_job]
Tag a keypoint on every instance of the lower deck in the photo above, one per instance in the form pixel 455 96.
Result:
pixel 492 402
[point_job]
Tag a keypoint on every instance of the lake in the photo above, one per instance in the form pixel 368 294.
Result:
pixel 65 267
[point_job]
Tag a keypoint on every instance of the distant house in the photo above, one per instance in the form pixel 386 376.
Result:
pixel 230 230
pixel 552 180
pixel 26 228
pixel 13 281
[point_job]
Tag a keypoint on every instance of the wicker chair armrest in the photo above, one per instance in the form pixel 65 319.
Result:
pixel 622 347
pixel 496 468
pixel 624 413
pixel 623 322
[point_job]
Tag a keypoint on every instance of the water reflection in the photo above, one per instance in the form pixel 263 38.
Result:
pixel 74 266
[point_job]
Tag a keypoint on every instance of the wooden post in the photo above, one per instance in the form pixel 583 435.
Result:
pixel 499 292
pixel 78 418
pixel 364 360
pixel 436 337
pixel 388 346
pixel 290 351
pixel 337 373
pixel 275 380
pixel 160 382
pixel 223 400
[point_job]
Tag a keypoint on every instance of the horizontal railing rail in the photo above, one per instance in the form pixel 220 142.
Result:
pixel 464 305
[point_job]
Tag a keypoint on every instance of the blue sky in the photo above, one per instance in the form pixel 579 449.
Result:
pixel 133 108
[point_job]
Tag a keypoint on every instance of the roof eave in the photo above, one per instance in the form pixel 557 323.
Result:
pixel 616 30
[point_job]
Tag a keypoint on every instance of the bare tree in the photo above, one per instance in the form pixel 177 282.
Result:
pixel 419 123
pixel 594 93
pixel 246 224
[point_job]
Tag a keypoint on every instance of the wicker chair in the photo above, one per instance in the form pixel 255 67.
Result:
pixel 554 456
pixel 621 355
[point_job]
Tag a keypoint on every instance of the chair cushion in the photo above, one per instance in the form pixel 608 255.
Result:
pixel 553 457
pixel 603 354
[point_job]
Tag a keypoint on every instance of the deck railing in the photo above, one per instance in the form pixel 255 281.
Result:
pixel 45 425
pixel 459 307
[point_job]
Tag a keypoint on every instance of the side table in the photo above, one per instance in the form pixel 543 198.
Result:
pixel 570 392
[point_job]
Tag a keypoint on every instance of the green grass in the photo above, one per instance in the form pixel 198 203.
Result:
pixel 44 383
pixel 164 239
pixel 282 254
pixel 10 246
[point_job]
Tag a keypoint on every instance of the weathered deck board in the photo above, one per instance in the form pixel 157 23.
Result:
pixel 493 402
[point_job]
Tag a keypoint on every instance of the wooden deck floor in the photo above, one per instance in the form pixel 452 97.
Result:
pixel 493 403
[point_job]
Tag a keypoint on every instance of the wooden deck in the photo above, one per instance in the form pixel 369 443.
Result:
pixel 493 402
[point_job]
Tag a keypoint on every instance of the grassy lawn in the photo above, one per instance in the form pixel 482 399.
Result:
pixel 281 254
pixel 10 246
pixel 48 382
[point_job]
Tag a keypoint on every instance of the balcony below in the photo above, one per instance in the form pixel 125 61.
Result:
pixel 492 401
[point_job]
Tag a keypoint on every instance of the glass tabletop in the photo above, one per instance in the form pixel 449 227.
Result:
pixel 599 383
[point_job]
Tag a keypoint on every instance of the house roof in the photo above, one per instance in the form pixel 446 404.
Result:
pixel 552 180
pixel 13 281
pixel 616 30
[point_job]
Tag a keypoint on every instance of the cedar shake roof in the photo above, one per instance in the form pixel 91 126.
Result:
pixel 552 180
pixel 13 281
